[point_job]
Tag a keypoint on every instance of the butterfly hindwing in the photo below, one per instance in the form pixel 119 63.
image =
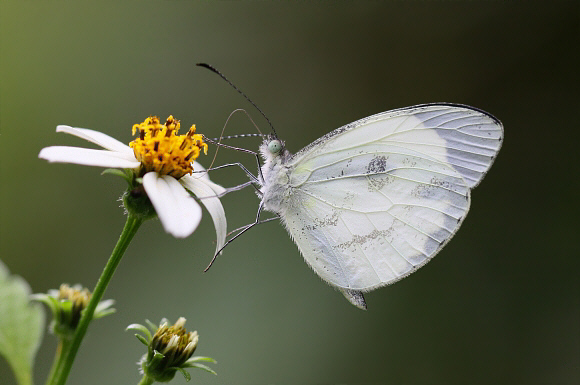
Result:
pixel 360 230
pixel 371 202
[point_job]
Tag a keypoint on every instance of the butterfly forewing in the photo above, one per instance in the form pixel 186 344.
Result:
pixel 372 201
pixel 466 138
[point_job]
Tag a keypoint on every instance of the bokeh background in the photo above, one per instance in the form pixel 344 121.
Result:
pixel 500 304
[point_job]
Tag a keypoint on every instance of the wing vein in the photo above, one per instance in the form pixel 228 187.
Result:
pixel 376 153
pixel 395 176
pixel 361 249
pixel 400 124
pixel 458 129
pixel 467 161
pixel 448 146
pixel 382 211
pixel 440 115
pixel 402 221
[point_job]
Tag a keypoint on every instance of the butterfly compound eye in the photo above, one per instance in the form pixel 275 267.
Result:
pixel 275 146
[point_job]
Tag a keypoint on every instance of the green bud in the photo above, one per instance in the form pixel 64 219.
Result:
pixel 169 350
pixel 67 305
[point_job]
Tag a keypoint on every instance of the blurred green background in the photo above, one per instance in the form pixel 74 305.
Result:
pixel 499 305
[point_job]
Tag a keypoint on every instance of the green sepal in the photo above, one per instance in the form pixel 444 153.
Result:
pixel 142 329
pixel 61 314
pixel 46 299
pixel 137 203
pixel 153 367
pixel 206 368
pixel 142 339
pixel 198 359
pixel 152 326
pixel 157 357
pixel 186 375
pixel 125 174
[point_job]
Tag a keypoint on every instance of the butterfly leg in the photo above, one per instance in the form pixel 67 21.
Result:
pixel 243 230
pixel 252 182
pixel 261 177
pixel 244 169
pixel 259 223
pixel 239 187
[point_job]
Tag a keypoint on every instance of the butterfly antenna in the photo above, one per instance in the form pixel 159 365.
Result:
pixel 239 136
pixel 221 137
pixel 214 70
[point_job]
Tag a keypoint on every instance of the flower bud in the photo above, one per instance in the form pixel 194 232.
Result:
pixel 169 350
pixel 67 305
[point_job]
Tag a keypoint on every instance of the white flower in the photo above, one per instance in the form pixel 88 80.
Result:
pixel 165 162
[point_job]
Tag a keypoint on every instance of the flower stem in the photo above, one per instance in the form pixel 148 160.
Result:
pixel 131 227
pixel 61 351
pixel 146 380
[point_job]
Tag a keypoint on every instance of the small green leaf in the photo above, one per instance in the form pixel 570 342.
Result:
pixel 21 325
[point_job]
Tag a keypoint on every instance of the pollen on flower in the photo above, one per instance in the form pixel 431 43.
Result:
pixel 159 148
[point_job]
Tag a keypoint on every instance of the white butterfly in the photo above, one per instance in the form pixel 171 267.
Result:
pixel 371 202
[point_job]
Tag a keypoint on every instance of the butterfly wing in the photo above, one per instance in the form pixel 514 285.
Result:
pixel 372 201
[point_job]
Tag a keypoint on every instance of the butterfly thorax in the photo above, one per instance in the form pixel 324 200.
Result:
pixel 275 173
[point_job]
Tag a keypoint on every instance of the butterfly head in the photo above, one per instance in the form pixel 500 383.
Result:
pixel 275 146
pixel 273 149
pixel 272 146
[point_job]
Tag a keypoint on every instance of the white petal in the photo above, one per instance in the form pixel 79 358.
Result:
pixel 178 212
pixel 214 186
pixel 205 176
pixel 96 137
pixel 103 305
pixel 206 195
pixel 88 157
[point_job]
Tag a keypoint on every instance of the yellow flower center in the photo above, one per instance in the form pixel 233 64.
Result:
pixel 79 297
pixel 160 149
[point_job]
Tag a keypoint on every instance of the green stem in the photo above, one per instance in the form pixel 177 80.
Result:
pixel 61 351
pixel 55 363
pixel 146 380
pixel 131 227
